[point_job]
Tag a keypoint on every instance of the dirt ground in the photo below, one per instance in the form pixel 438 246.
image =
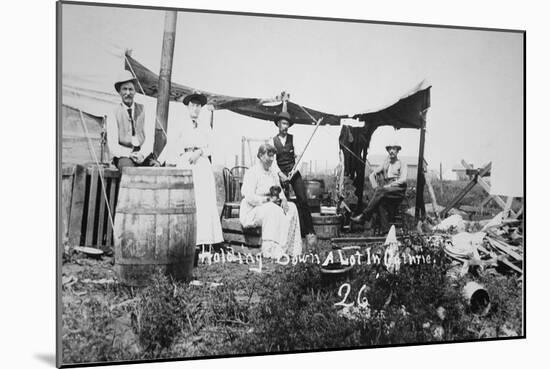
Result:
pixel 101 317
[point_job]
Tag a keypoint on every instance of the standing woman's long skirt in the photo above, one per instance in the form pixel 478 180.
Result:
pixel 208 227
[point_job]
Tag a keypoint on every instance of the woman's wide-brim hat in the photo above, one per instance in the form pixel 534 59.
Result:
pixel 123 77
pixel 197 96
pixel 283 115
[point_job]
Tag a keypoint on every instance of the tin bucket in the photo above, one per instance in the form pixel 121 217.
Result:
pixel 477 297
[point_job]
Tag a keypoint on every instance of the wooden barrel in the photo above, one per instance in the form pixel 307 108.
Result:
pixel 154 224
pixel 326 226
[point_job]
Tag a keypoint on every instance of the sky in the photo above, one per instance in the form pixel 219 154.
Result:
pixel 476 76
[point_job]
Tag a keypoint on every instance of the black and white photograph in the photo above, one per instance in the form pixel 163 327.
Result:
pixel 237 184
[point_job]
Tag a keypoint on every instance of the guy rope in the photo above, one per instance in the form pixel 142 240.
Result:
pixel 99 167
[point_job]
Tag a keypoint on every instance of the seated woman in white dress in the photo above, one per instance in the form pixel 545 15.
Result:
pixel 280 224
pixel 189 150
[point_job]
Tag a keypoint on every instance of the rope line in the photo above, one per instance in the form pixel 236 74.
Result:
pixel 100 168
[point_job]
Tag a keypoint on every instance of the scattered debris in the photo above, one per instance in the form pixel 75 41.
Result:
pixel 505 331
pixel 499 243
pixel 353 312
pixel 441 313
pixel 98 281
pixel 438 332
pixel 124 303
pixel 210 284
pixel 68 281
pixel 465 245
pixel 453 222
pixel 89 251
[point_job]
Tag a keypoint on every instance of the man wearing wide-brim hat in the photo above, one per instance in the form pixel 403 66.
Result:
pixel 286 159
pixel 126 126
pixel 389 182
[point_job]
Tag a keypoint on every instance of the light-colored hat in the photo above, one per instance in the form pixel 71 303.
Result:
pixel 123 77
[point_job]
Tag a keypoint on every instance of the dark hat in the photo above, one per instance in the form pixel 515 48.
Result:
pixel 398 147
pixel 196 95
pixel 123 77
pixel 284 115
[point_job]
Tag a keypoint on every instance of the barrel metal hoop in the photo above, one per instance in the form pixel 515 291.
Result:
pixel 178 210
pixel 160 262
pixel 157 186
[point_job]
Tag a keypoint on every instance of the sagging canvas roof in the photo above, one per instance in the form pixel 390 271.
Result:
pixel 408 112
pixel 96 58
pixel 252 107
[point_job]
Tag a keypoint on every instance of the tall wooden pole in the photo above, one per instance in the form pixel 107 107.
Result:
pixel 165 75
pixel 440 179
pixel 419 209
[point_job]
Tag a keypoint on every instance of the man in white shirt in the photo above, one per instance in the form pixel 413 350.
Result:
pixel 286 159
pixel 126 127
pixel 389 182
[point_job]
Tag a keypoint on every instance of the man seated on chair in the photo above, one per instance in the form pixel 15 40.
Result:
pixel 126 127
pixel 393 177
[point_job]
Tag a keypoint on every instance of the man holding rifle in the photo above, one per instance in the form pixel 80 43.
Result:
pixel 286 160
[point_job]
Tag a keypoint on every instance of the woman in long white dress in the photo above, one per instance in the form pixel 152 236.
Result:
pixel 189 150
pixel 280 224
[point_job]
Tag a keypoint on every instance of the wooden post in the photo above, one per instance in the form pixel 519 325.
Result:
pixel 419 210
pixel 165 75
pixel 440 179
pixel 242 150
pixel 432 195
pixel 77 206
pixel 103 138
pixel 212 119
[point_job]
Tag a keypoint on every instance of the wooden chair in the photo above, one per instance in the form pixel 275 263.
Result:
pixel 232 182
pixel 230 205
pixel 233 232
pixel 394 212
pixel 237 175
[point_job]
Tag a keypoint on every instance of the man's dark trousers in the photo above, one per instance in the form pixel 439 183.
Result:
pixel 391 193
pixel 306 224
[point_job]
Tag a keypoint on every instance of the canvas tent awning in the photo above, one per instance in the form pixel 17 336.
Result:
pixel 408 112
pixel 252 107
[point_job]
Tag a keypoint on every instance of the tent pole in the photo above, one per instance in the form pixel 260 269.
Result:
pixel 419 209
pixel 243 140
pixel 165 75
pixel 212 119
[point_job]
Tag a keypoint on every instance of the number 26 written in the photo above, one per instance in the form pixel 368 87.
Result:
pixel 345 290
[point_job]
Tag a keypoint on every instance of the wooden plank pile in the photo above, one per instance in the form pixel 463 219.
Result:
pixel 499 244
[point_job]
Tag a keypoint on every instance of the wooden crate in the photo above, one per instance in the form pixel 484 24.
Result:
pixel 67 178
pixel 97 228
pixel 234 233
pixel 84 214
